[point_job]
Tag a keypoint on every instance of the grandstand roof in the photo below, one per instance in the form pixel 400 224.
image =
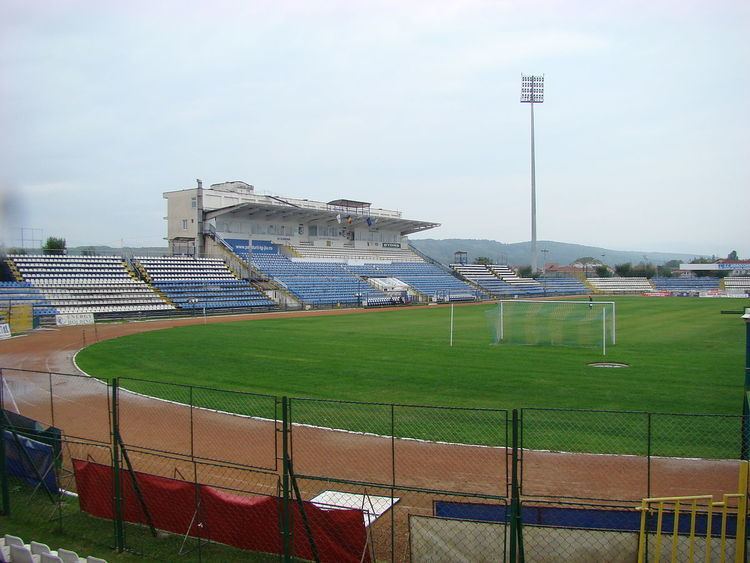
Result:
pixel 283 210
pixel 349 203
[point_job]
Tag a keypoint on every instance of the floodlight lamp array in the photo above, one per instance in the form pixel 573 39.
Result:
pixel 532 89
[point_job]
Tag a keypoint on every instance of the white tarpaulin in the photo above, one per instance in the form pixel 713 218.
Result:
pixel 372 506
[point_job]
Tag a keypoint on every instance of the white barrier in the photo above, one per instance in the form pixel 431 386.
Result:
pixel 5 331
pixel 445 539
pixel 72 319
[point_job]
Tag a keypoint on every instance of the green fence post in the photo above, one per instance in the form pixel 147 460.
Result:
pixel 648 454
pixel 745 446
pixel 393 481
pixel 3 473
pixel 516 534
pixel 286 533
pixel 119 531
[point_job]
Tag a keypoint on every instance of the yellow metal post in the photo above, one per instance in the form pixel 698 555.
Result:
pixel 693 510
pixel 660 504
pixel 739 550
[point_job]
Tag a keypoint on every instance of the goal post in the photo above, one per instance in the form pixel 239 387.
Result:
pixel 555 323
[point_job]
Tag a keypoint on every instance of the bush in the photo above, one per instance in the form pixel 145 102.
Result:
pixel 54 245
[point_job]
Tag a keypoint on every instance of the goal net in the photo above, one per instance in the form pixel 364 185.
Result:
pixel 586 324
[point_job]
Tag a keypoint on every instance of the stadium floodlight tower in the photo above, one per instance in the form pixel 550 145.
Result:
pixel 532 92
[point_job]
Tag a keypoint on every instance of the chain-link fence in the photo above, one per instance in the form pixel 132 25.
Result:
pixel 626 456
pixel 173 472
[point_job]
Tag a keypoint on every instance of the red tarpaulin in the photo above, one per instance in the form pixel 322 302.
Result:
pixel 245 522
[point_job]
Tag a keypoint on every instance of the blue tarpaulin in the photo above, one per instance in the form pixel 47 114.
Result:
pixel 28 459
pixel 585 518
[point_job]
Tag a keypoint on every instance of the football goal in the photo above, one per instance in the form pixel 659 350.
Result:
pixel 588 324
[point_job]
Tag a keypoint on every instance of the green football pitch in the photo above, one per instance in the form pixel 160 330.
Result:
pixel 684 357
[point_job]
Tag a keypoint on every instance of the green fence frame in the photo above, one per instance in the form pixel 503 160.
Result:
pixel 513 437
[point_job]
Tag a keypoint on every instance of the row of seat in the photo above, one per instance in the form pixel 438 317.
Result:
pixel 427 279
pixel 32 276
pixel 226 283
pixel 83 281
pixel 75 284
pixel 198 283
pixel 685 284
pixel 168 276
pixel 380 254
pixel 24 294
pixel 152 260
pixel 621 285
pixel 228 304
pixel 737 282
pixel 110 309
pixel 14 284
pixel 63 259
pixel 14 550
pixel 562 285
pixel 500 280
pixel 316 283
pixel 127 291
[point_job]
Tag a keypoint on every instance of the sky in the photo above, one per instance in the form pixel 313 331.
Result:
pixel 641 143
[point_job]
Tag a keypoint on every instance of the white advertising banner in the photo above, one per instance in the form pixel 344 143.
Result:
pixel 4 331
pixel 72 319
pixel 716 266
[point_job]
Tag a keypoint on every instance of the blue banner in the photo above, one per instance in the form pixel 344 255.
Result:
pixel 28 459
pixel 242 248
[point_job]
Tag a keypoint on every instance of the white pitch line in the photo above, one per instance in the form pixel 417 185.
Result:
pixel 405 438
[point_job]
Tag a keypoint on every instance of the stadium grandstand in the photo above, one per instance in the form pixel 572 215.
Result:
pixel 231 249
pixel 620 285
pixel 484 278
pixel 310 253
pixel 686 285
pixel 737 286
pixel 561 285
pixel 61 284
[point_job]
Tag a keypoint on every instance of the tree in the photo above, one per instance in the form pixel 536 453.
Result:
pixel 54 245
pixel 524 271
pixel 733 256
pixel 624 270
pixel 603 271
pixel 643 270
pixel 482 260
pixel 90 251
pixel 665 271
pixel 585 260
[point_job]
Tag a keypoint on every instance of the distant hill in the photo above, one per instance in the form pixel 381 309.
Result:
pixel 517 254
